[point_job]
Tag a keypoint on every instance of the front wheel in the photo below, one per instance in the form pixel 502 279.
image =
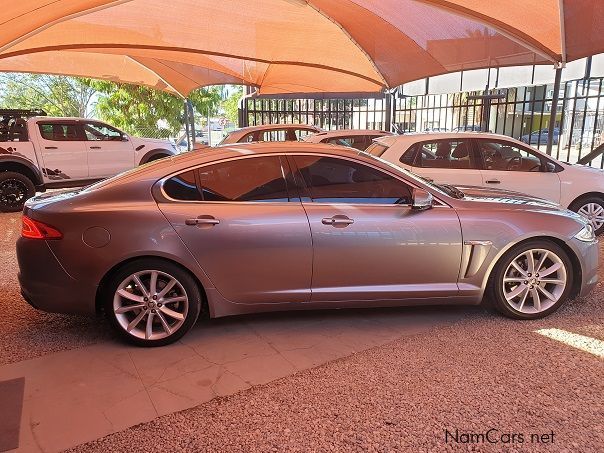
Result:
pixel 15 190
pixel 152 302
pixel 592 208
pixel 532 280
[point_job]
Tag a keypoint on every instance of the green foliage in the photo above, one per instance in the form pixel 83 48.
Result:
pixel 144 111
pixel 57 95
pixel 231 104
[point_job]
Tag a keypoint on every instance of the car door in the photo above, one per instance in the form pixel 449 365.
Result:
pixel 507 165
pixel 368 243
pixel 244 223
pixel 63 151
pixel 444 161
pixel 110 151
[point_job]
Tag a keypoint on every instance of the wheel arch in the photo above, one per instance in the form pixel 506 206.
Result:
pixel 21 166
pixel 102 287
pixel 154 154
pixel 577 270
pixel 587 195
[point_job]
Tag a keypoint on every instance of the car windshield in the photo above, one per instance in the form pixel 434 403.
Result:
pixel 445 189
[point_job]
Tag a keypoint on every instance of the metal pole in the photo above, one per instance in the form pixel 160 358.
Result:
pixel 209 129
pixel 187 131
pixel 191 117
pixel 388 111
pixel 554 111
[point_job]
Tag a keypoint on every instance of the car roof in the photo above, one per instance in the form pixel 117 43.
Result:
pixel 413 137
pixel 264 127
pixel 344 132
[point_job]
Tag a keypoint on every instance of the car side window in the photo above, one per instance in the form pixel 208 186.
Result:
pixel 99 131
pixel 301 134
pixel 183 187
pixel 278 135
pixel 505 156
pixel 253 179
pixel 59 132
pixel 455 154
pixel 334 180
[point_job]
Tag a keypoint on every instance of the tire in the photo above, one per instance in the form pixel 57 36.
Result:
pixel 15 190
pixel 591 206
pixel 507 297
pixel 135 310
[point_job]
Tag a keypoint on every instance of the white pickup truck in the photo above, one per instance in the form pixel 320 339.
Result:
pixel 40 152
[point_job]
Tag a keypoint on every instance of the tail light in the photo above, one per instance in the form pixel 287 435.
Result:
pixel 34 229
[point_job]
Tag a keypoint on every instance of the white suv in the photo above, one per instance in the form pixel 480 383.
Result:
pixel 497 161
pixel 40 153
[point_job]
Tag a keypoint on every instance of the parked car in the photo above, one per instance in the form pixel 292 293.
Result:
pixel 353 138
pixel 270 133
pixel 540 137
pixel 268 226
pixel 40 153
pixel 492 160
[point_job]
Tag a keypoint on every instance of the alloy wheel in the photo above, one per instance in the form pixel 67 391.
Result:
pixel 150 305
pixel 534 281
pixel 12 192
pixel 594 213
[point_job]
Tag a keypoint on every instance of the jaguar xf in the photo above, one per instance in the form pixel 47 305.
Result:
pixel 288 226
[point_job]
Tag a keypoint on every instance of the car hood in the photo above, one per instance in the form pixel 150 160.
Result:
pixel 507 197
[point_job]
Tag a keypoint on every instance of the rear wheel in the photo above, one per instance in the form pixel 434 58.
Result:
pixel 152 302
pixel 15 190
pixel 592 208
pixel 532 280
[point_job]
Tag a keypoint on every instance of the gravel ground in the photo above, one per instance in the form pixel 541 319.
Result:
pixel 486 372
pixel 27 332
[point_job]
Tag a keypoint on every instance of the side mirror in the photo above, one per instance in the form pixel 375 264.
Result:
pixel 422 200
pixel 550 167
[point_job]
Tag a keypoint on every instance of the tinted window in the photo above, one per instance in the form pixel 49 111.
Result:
pixel 332 180
pixel 183 187
pixel 252 179
pixel 99 131
pixel 446 154
pixel 59 132
pixel 507 157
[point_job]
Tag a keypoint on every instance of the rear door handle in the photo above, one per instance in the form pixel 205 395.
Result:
pixel 95 147
pixel 50 147
pixel 203 220
pixel 493 181
pixel 337 220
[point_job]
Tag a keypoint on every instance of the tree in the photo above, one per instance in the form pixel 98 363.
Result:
pixel 231 104
pixel 145 111
pixel 56 95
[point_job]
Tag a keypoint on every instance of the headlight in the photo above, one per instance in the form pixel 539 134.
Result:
pixel 586 234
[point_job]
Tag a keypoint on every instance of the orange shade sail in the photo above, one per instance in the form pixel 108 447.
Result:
pixel 285 46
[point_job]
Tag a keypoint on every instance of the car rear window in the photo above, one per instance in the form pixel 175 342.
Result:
pixel 376 149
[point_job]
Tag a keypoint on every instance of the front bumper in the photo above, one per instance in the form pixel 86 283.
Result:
pixel 45 285
pixel 589 254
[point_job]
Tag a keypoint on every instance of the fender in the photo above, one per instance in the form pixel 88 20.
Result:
pixel 16 159
pixel 153 153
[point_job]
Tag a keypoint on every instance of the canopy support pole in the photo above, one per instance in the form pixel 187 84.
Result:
pixel 554 111
pixel 191 117
pixel 186 120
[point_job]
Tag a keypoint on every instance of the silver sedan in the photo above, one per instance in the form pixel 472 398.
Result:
pixel 263 227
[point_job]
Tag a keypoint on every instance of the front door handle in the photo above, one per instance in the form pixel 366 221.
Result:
pixel 203 220
pixel 95 147
pixel 50 147
pixel 337 221
pixel 493 181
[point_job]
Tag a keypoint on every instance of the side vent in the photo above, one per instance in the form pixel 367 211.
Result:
pixel 474 254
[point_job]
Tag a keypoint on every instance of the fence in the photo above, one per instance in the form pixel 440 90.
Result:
pixel 520 112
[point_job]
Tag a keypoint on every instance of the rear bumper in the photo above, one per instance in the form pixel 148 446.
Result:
pixel 45 285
